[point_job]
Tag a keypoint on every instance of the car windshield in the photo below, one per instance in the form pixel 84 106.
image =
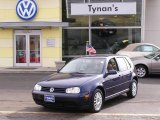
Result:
pixel 84 65
pixel 151 55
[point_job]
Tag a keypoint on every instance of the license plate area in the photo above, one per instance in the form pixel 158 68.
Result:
pixel 49 98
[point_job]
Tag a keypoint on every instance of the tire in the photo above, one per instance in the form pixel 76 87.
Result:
pixel 96 101
pixel 132 89
pixel 141 71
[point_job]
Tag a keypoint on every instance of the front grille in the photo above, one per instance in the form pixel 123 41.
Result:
pixel 56 90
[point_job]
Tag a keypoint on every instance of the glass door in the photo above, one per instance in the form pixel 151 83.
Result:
pixel 34 50
pixel 21 41
pixel 27 48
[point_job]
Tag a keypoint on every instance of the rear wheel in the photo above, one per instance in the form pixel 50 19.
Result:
pixel 97 101
pixel 132 89
pixel 141 71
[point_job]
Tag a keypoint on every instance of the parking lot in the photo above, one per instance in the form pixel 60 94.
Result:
pixel 17 104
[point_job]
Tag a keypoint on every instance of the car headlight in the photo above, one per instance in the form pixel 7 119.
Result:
pixel 37 87
pixel 74 90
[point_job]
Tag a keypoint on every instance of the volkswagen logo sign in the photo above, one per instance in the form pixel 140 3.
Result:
pixel 51 90
pixel 26 9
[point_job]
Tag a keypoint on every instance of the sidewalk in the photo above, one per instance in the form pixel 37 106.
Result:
pixel 28 70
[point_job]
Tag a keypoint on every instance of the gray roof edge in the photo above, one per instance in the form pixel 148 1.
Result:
pixel 33 24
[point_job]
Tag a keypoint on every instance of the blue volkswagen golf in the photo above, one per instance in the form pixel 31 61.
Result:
pixel 87 82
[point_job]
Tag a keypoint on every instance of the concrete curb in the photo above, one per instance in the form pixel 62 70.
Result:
pixel 38 72
pixel 27 70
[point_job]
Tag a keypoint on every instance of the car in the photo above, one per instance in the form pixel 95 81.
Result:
pixel 149 64
pixel 138 49
pixel 103 32
pixel 86 82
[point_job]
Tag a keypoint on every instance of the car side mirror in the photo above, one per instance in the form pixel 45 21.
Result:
pixel 110 72
pixel 157 58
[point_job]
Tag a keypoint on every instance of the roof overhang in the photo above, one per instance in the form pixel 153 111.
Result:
pixel 29 25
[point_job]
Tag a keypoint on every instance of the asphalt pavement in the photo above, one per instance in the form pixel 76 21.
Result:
pixel 16 102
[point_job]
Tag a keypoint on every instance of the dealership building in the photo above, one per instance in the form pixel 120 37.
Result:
pixel 37 33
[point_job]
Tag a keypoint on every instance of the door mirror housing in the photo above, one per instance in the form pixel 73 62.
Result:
pixel 110 72
pixel 157 58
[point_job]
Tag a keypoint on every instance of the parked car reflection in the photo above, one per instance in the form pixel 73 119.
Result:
pixel 149 64
pixel 117 46
pixel 102 31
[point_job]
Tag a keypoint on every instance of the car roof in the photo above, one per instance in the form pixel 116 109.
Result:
pixel 130 47
pixel 102 56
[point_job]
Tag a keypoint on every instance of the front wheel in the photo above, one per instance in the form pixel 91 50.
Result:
pixel 132 89
pixel 141 71
pixel 96 101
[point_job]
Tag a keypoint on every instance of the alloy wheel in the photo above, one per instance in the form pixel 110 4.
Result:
pixel 141 71
pixel 98 101
pixel 134 89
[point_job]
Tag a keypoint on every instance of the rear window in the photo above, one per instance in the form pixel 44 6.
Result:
pixel 122 64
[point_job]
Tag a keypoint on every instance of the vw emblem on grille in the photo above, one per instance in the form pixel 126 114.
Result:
pixel 51 90
pixel 26 9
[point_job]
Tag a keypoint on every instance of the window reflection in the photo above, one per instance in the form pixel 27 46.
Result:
pixel 114 42
pixel 74 41
pixel 20 49
pixel 34 49
pixel 119 20
pixel 103 32
pixel 108 33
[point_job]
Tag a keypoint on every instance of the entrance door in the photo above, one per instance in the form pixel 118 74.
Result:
pixel 27 48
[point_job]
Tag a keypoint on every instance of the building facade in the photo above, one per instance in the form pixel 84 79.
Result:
pixel 104 29
pixel 38 33
pixel 30 33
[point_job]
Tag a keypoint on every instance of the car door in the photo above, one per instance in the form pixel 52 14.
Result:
pixel 155 64
pixel 110 82
pixel 124 73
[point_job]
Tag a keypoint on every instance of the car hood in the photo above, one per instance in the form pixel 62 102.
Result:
pixel 67 80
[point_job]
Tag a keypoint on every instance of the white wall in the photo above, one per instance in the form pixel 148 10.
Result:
pixel 152 22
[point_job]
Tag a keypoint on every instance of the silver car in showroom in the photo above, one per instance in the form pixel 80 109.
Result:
pixel 149 64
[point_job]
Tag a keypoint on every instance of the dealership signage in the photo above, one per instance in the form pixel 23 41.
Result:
pixel 26 9
pixel 115 8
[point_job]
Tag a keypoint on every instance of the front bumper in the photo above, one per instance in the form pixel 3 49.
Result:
pixel 62 100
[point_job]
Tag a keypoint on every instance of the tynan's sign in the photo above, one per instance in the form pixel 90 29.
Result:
pixel 115 8
pixel 26 9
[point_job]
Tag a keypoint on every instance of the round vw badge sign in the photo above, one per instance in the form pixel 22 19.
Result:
pixel 26 9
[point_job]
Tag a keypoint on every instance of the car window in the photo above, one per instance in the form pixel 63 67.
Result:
pixel 139 48
pixel 145 48
pixel 155 48
pixel 127 63
pixel 122 64
pixel 84 65
pixel 112 64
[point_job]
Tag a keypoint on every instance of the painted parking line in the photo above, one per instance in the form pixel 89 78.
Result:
pixel 95 114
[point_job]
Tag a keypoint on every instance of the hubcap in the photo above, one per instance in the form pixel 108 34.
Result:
pixel 141 72
pixel 134 89
pixel 97 101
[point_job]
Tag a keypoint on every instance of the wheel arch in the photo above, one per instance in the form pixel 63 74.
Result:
pixel 144 66
pixel 102 89
pixel 136 78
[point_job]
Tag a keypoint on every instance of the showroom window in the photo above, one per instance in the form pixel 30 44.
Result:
pixel 104 32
